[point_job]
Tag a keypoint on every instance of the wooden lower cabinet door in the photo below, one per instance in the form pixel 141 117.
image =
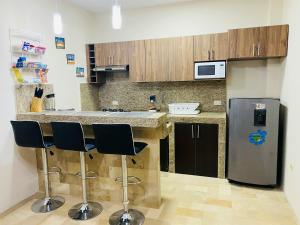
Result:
pixel 206 150
pixel 185 148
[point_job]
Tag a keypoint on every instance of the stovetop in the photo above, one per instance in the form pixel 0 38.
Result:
pixel 114 110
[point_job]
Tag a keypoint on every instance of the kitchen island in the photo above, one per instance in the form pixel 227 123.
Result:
pixel 104 169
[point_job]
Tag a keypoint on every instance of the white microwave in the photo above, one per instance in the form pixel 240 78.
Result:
pixel 210 70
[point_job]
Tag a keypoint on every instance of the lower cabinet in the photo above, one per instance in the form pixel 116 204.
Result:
pixel 196 149
pixel 164 154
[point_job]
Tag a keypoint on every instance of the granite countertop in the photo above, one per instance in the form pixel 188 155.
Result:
pixel 209 117
pixel 135 119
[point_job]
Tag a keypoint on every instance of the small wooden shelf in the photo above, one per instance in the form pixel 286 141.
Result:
pixel 93 76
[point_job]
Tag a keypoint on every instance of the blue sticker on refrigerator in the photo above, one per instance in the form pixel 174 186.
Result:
pixel 258 137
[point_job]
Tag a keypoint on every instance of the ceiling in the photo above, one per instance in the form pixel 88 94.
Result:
pixel 105 5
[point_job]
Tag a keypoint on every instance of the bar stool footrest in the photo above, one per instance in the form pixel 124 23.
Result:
pixel 131 180
pixel 89 175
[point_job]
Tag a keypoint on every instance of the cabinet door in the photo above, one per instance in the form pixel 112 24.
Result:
pixel 137 61
pixel 119 53
pixel 243 43
pixel 181 59
pixel 202 47
pixel 206 150
pixel 219 46
pixel 103 54
pixel 276 41
pixel 185 148
pixel 157 60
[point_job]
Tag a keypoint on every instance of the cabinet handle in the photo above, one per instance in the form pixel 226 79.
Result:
pixel 253 49
pixel 193 132
pixel 198 132
pixel 258 49
pixel 213 54
pixel 208 55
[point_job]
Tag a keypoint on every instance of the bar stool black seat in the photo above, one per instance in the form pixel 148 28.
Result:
pixel 70 136
pixel 117 139
pixel 29 134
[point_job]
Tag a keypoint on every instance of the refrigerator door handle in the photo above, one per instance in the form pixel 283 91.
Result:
pixel 198 132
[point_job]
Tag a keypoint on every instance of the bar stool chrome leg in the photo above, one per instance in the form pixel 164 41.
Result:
pixel 126 216
pixel 85 210
pixel 47 204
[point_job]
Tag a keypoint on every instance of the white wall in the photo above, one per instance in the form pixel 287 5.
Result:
pixel 290 98
pixel 245 79
pixel 18 168
pixel 77 30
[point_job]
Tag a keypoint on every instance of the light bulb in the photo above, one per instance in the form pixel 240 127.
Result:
pixel 57 24
pixel 116 17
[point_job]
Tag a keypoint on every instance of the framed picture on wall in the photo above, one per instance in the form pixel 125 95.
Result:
pixel 70 59
pixel 79 72
pixel 60 43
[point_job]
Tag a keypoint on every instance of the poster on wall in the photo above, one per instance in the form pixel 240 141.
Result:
pixel 60 43
pixel 79 72
pixel 70 59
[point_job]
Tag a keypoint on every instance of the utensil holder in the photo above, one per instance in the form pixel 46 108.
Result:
pixel 36 105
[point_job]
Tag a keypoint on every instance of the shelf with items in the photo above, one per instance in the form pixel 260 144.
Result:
pixel 94 77
pixel 26 57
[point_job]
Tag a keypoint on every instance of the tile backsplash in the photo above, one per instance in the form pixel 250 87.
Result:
pixel 135 96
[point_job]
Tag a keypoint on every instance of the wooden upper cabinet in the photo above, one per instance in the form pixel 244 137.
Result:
pixel 219 46
pixel 102 54
pixel 242 43
pixel 211 47
pixel 182 63
pixel 202 47
pixel 277 41
pixel 115 53
pixel 119 53
pixel 169 59
pixel 137 61
pixel 157 60
pixel 258 42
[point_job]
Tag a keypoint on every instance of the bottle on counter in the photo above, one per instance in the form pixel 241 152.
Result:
pixel 152 105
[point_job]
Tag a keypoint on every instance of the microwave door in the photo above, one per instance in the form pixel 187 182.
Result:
pixel 206 70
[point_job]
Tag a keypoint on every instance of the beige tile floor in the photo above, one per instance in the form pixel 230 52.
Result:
pixel 187 200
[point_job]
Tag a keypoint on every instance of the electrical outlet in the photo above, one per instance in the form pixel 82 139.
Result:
pixel 217 102
pixel 115 103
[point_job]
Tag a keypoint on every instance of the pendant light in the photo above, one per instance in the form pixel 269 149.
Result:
pixel 116 15
pixel 57 21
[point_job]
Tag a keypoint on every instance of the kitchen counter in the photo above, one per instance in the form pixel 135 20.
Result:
pixel 135 119
pixel 147 127
pixel 204 117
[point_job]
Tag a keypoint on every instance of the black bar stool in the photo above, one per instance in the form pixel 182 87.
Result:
pixel 117 139
pixel 29 134
pixel 69 136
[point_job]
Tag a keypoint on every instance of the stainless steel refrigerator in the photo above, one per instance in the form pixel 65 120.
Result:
pixel 253 140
